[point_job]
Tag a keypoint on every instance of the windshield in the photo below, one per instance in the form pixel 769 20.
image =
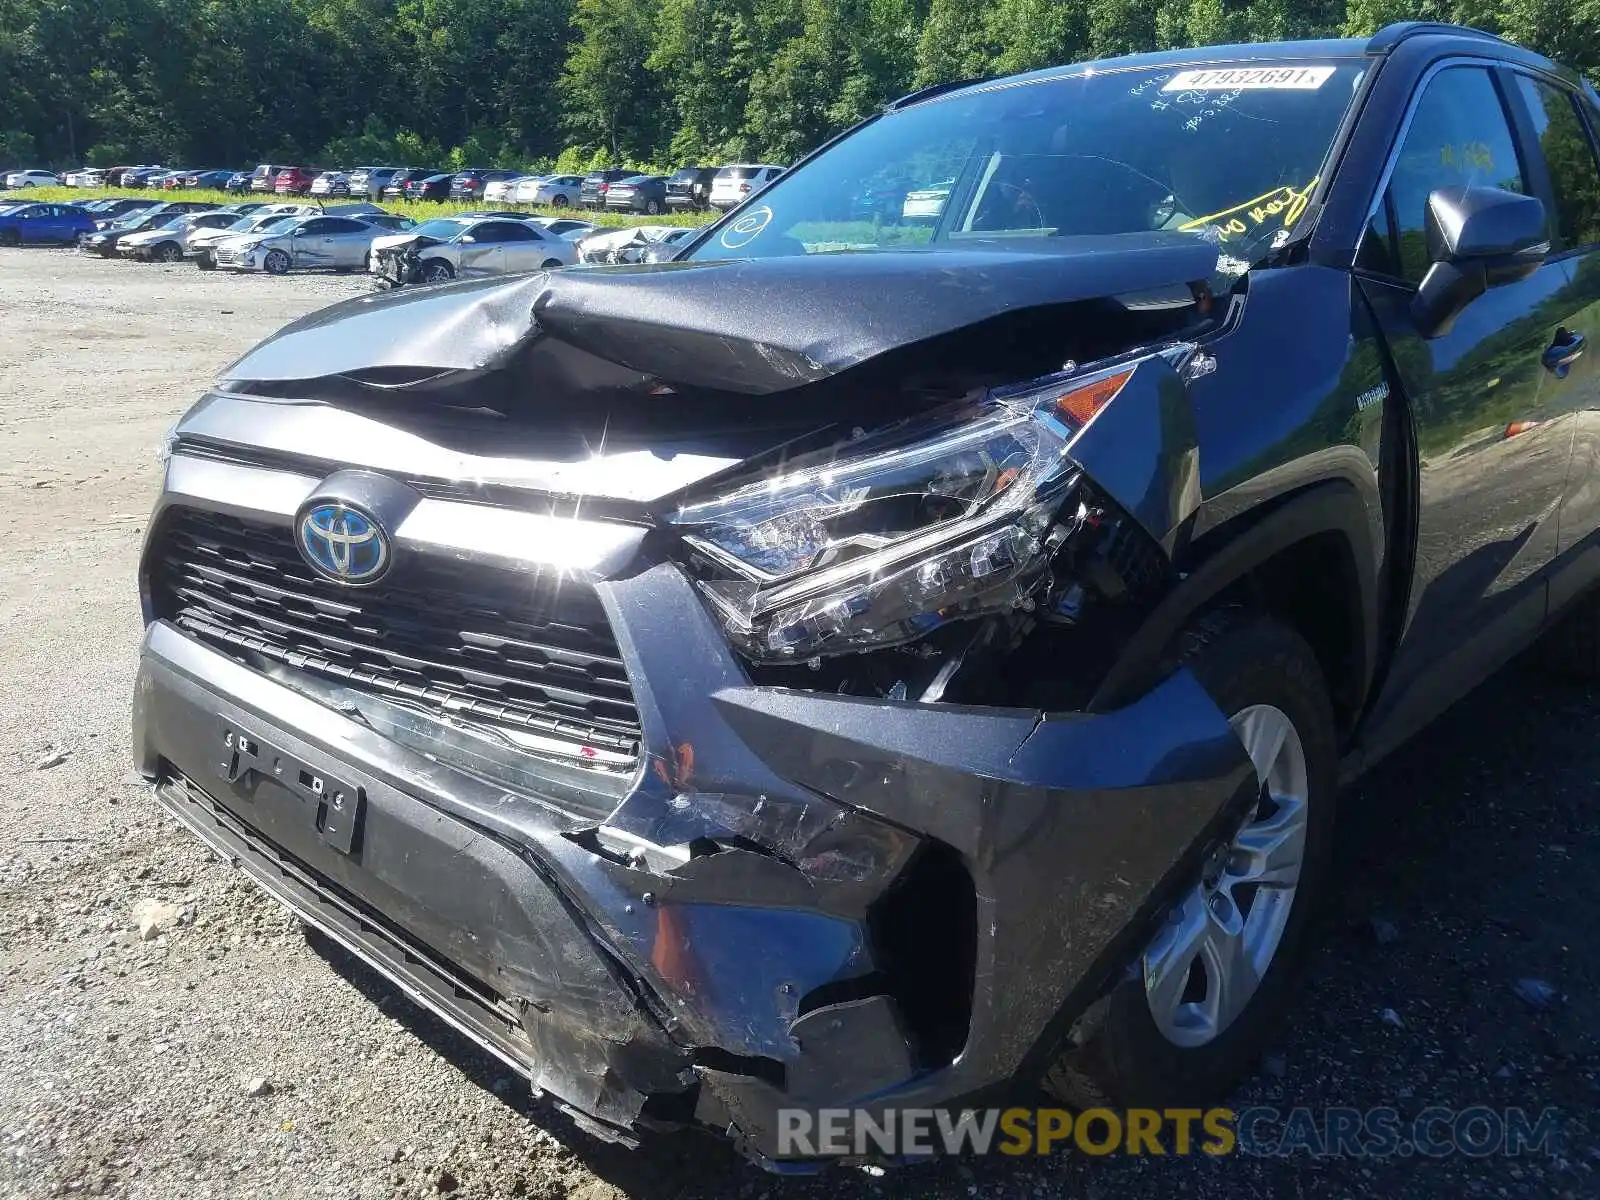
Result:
pixel 1231 151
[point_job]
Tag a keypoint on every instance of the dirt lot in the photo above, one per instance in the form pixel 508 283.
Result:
pixel 229 1056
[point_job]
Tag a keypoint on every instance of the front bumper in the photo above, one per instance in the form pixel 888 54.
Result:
pixel 801 900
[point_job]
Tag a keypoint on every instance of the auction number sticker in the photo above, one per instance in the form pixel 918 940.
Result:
pixel 1227 79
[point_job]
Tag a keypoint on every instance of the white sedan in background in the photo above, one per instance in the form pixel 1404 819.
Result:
pixel 556 191
pixel 26 179
pixel 504 191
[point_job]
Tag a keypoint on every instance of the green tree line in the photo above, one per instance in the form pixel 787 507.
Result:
pixel 575 83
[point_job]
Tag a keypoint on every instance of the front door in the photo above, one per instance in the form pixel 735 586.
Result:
pixel 1492 458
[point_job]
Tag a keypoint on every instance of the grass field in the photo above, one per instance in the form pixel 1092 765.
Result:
pixel 419 210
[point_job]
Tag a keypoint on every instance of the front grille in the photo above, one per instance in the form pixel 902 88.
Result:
pixel 228 255
pixel 490 648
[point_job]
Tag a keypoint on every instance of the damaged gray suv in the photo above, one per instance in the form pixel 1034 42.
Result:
pixel 871 659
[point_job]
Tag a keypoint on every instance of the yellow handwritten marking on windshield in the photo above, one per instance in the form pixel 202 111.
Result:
pixel 1291 202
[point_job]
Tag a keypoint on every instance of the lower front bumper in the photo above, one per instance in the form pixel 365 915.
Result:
pixel 900 906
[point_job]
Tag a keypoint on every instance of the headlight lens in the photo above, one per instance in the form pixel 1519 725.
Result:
pixel 881 541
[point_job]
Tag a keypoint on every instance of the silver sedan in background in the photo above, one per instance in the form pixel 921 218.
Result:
pixel 320 243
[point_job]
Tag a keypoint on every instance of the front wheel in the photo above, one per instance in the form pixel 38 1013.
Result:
pixel 168 252
pixel 550 264
pixel 276 263
pixel 438 272
pixel 653 207
pixel 207 261
pixel 561 202
pixel 10 237
pixel 1213 982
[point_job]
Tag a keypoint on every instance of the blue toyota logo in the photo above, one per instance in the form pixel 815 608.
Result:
pixel 343 544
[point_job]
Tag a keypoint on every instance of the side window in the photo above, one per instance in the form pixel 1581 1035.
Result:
pixel 1459 136
pixel 343 225
pixel 312 227
pixel 501 231
pixel 1569 154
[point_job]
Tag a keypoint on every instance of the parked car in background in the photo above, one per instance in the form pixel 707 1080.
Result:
pixel 84 177
pixel 28 179
pixel 168 181
pixel 212 177
pixel 103 239
pixel 622 245
pixel 566 227
pixel 504 191
pixel 395 188
pixel 597 183
pixel 237 182
pixel 331 183
pixel 463 248
pixel 370 181
pixel 555 191
pixel 111 208
pixel 732 185
pixel 469 184
pixel 926 203
pixel 200 244
pixel 429 187
pixel 24 223
pixel 638 193
pixel 166 243
pixel 294 181
pixel 319 243
pixel 689 189
pixel 665 248
pixel 265 177
pixel 139 177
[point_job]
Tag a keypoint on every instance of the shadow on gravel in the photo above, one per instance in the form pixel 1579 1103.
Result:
pixel 1467 862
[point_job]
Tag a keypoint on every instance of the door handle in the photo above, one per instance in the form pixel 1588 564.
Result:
pixel 1564 350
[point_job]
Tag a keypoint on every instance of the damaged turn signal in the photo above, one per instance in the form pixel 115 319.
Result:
pixel 880 541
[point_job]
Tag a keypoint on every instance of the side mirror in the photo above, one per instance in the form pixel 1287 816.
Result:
pixel 467 239
pixel 1477 238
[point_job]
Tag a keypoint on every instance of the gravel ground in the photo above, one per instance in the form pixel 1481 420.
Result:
pixel 166 1032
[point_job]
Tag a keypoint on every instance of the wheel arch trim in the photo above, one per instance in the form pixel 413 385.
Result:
pixel 1245 545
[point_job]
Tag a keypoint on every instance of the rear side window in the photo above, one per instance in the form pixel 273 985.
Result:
pixel 1569 155
pixel 504 231
pixel 1459 136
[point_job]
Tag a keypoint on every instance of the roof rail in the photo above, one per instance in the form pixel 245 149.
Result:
pixel 1390 36
pixel 928 93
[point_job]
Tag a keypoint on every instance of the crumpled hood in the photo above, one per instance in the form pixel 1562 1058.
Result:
pixel 753 326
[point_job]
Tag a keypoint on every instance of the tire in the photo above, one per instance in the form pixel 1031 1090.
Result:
pixel 168 252
pixel 10 238
pixel 550 264
pixel 277 262
pixel 206 261
pixel 437 271
pixel 561 201
pixel 653 207
pixel 1252 667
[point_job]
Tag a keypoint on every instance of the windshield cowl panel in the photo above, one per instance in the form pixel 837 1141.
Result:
pixel 1232 152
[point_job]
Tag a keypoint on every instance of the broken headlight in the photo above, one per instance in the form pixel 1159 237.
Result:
pixel 884 539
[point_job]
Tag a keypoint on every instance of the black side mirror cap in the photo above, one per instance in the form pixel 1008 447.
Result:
pixel 1477 238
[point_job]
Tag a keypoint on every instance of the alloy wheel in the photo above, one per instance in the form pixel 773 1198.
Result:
pixel 1205 964
pixel 276 262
